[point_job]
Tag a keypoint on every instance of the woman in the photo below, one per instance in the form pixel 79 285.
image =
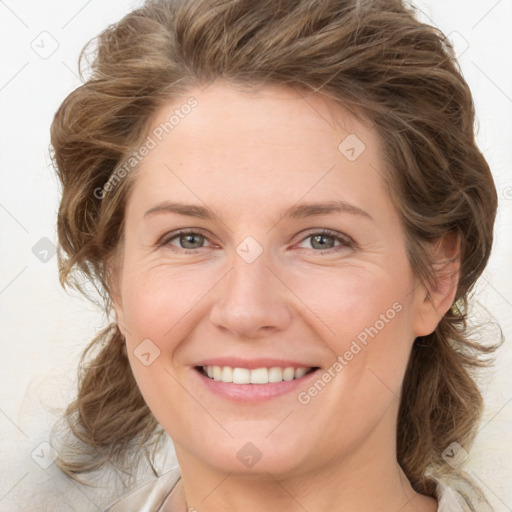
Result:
pixel 285 209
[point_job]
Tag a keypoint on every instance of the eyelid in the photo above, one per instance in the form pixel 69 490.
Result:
pixel 165 239
pixel 346 241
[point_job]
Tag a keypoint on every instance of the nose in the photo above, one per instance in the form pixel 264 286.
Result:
pixel 251 300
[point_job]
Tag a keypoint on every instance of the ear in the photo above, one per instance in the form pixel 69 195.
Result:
pixel 436 298
pixel 114 277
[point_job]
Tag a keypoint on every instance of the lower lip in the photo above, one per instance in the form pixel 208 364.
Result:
pixel 250 393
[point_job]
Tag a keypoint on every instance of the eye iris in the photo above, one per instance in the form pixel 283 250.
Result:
pixel 190 239
pixel 195 241
pixel 322 245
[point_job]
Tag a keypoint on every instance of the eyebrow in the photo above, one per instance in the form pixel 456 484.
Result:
pixel 298 211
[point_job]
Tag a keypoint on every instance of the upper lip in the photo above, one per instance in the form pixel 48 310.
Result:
pixel 253 363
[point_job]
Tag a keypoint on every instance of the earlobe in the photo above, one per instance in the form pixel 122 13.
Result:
pixel 439 294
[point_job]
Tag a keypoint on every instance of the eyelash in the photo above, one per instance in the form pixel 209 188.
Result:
pixel 345 240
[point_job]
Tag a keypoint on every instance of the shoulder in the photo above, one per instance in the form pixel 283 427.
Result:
pixel 448 499
pixel 149 497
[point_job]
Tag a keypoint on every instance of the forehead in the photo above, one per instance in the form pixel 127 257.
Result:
pixel 273 115
pixel 266 145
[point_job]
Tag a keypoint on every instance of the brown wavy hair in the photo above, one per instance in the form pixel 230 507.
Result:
pixel 373 57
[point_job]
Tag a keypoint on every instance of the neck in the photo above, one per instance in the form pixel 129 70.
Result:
pixel 369 478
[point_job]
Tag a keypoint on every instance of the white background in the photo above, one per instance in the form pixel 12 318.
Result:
pixel 44 330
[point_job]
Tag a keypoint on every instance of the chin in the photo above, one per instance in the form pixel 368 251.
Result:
pixel 254 456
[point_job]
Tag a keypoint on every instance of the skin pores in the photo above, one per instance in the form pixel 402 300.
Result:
pixel 251 283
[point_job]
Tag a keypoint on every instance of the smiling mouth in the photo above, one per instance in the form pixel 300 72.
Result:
pixel 269 375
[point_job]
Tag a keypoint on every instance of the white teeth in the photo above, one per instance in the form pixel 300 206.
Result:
pixel 275 374
pixel 289 373
pixel 241 376
pixel 254 376
pixel 227 374
pixel 300 372
pixel 259 376
pixel 217 373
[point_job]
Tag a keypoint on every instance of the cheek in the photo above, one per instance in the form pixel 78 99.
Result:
pixel 157 301
pixel 355 302
pixel 365 319
pixel 165 397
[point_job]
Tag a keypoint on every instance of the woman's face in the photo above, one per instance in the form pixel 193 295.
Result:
pixel 252 288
